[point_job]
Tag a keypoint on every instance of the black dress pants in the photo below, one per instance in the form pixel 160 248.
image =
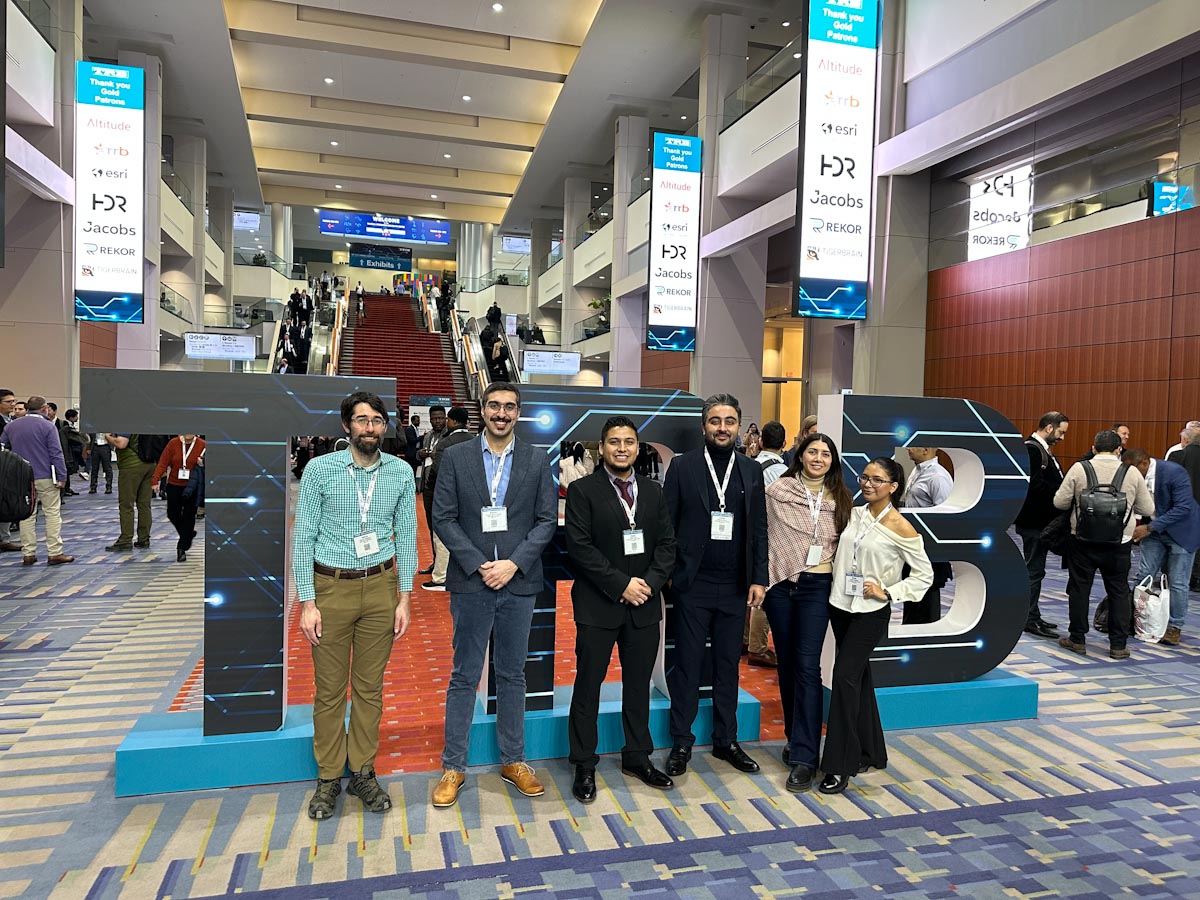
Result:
pixel 1034 551
pixel 638 648
pixel 1112 561
pixel 853 733
pixel 427 501
pixel 181 512
pixel 714 614
pixel 929 608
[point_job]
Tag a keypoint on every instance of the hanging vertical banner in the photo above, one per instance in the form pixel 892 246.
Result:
pixel 674 243
pixel 109 192
pixel 837 140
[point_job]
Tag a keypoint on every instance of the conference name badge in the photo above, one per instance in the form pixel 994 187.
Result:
pixel 814 555
pixel 635 542
pixel 366 544
pixel 722 526
pixel 494 518
pixel 854 585
pixel 184 474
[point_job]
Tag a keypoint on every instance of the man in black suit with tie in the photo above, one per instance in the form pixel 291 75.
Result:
pixel 621 549
pixel 719 512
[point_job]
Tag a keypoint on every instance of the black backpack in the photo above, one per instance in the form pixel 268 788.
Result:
pixel 1103 509
pixel 17 494
pixel 150 447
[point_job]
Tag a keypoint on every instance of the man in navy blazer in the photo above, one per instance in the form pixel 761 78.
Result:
pixel 1169 542
pixel 495 508
pixel 719 512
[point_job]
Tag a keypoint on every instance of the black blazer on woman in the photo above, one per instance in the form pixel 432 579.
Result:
pixel 595 521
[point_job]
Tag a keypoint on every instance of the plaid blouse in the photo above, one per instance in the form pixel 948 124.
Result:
pixel 790 529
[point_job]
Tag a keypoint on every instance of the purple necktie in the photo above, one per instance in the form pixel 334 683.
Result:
pixel 626 491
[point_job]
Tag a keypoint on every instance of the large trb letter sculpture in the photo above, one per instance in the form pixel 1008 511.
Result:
pixel 970 530
pixel 247 421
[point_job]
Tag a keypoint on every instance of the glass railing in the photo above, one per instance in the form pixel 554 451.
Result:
pixel 215 232
pixel 38 14
pixel 554 255
pixel 536 335
pixel 473 285
pixel 175 303
pixel 176 185
pixel 256 256
pixel 592 326
pixel 247 315
pixel 596 220
pixel 640 183
pixel 766 80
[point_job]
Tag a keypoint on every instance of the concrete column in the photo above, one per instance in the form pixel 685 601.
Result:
pixel 540 232
pixel 577 201
pixel 628 313
pixel 889 346
pixel 281 234
pixel 474 254
pixel 137 345
pixel 37 303
pixel 732 302
pixel 220 213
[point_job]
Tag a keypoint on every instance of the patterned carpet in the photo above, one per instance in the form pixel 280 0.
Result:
pixel 1099 797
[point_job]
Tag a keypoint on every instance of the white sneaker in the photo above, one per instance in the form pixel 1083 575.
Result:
pixel 434 586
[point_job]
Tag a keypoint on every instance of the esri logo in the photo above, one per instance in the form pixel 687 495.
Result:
pixel 840 130
pixel 838 165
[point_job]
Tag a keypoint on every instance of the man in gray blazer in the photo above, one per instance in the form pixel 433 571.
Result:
pixel 495 508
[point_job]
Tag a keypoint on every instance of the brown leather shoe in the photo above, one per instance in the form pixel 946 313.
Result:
pixel 60 560
pixel 28 560
pixel 521 776
pixel 446 792
pixel 1172 637
pixel 10 547
pixel 766 660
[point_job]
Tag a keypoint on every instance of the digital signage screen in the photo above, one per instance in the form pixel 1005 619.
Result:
pixel 837 123
pixel 245 221
pixel 109 190
pixel 378 227
pixel 674 281
pixel 1170 197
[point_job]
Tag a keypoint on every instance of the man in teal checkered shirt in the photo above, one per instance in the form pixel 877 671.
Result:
pixel 354 554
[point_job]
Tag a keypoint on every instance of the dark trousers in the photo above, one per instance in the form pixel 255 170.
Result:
pixel 1112 562
pixel 638 648
pixel 854 736
pixel 181 511
pixel 929 608
pixel 1034 552
pixel 427 500
pixel 101 458
pixel 799 615
pixel 715 614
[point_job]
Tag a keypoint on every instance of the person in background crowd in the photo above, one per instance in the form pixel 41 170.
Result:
pixel 36 440
pixel 412 436
pixel 1122 432
pixel 183 454
pixel 571 468
pixel 928 485
pixel 134 487
pixel 1111 560
pixel 100 458
pixel 720 569
pixel 495 317
pixel 1170 540
pixel 770 458
pixel 8 404
pixel 807 510
pixel 808 425
pixel 1188 456
pixel 1045 477
pixel 1195 423
pixel 77 444
pixel 621 549
pixel 429 443
pixel 51 413
pixel 867 578
pixel 456 433
pixel 19 410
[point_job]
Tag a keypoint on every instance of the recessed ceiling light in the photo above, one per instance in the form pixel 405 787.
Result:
pixel 606 189
pixel 645 178
pixel 445 156
pixel 787 24
pixel 329 81
pixel 497 7
pixel 338 186
pixel 315 209
pixel 684 118
pixel 466 98
pixel 333 143
pixel 747 59
pixel 595 196
pixel 601 277
pixel 433 196
pixel 795 56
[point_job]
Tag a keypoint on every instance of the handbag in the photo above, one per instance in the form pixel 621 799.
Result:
pixel 1151 609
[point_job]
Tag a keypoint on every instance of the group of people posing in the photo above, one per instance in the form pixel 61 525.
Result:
pixel 714 532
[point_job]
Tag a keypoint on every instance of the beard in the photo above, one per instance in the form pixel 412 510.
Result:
pixel 366 445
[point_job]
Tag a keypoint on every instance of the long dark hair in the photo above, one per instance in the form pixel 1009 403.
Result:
pixel 895 472
pixel 843 500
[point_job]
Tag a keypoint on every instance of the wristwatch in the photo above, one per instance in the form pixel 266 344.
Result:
pixel 887 595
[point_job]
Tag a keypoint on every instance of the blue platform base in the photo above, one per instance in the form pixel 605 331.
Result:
pixel 169 752
pixel 998 696
pixel 546 730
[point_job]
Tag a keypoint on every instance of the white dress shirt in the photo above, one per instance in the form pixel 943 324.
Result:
pixel 881 558
pixel 930 485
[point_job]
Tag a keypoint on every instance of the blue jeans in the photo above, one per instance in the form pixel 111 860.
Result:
pixel 477 616
pixel 1157 549
pixel 799 615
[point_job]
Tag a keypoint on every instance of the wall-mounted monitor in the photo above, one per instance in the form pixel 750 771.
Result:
pixel 245 221
pixel 551 362
pixel 378 227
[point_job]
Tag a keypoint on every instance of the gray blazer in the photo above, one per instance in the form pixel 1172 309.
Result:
pixel 462 492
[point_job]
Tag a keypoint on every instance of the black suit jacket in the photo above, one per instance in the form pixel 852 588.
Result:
pixel 1189 458
pixel 686 490
pixel 595 522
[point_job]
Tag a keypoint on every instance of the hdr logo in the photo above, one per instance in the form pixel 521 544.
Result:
pixel 108 202
pixel 674 251
pixel 838 165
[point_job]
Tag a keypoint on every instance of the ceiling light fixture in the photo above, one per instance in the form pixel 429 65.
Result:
pixel 787 24
pixel 338 186
pixel 497 7
pixel 315 209
pixel 795 56
pixel 328 80
pixel 595 196
pixel 333 143
pixel 433 196
pixel 684 118
pixel 445 156
pixel 347 243
pixel 466 98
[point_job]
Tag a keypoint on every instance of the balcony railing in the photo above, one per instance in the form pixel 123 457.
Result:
pixel 38 14
pixel 473 285
pixel 555 255
pixel 592 326
pixel 596 220
pixel 174 302
pixel 766 80
pixel 215 232
pixel 256 256
pixel 640 183
pixel 175 183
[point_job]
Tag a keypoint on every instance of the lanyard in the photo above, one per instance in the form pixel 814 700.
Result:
pixel 630 511
pixel 863 532
pixel 712 471
pixel 364 500
pixel 495 486
pixel 187 451
pixel 815 509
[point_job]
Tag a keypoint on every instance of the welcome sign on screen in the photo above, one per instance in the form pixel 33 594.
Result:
pixel 379 227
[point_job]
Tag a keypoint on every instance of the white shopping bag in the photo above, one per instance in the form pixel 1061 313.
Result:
pixel 1151 609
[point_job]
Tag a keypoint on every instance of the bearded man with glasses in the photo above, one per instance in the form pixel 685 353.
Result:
pixel 495 507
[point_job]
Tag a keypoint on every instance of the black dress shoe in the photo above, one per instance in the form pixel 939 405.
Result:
pixel 1040 630
pixel 678 760
pixel 584 787
pixel 800 780
pixel 834 784
pixel 785 756
pixel 736 757
pixel 141 544
pixel 1046 624
pixel 181 556
pixel 649 775
pixel 425 571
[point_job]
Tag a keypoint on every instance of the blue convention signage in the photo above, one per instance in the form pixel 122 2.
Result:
pixel 674 282
pixel 388 262
pixel 109 193
pixel 837 137
pixel 378 227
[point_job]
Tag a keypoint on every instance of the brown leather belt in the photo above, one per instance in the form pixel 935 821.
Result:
pixel 353 573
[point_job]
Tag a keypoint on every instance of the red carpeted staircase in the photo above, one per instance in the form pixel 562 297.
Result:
pixel 392 343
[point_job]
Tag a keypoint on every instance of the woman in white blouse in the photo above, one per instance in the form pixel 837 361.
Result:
pixel 866 580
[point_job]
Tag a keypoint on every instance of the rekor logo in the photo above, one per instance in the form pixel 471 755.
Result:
pixel 824 226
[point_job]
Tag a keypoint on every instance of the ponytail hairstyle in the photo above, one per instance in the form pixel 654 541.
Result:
pixel 843 500
pixel 895 472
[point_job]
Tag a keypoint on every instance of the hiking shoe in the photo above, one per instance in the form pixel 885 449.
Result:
pixel 324 798
pixel 118 546
pixel 1118 653
pixel 521 776
pixel 1172 636
pixel 364 786
pixel 1075 647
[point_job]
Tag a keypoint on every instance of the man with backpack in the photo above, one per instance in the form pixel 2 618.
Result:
pixel 1106 495
pixel 137 456
pixel 35 439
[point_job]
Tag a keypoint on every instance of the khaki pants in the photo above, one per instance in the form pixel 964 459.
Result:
pixel 133 490
pixel 755 635
pixel 357 621
pixel 49 499
pixel 441 561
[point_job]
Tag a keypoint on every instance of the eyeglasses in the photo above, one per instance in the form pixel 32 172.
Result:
pixel 496 406
pixel 877 482
pixel 364 421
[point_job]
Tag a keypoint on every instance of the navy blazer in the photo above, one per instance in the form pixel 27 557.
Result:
pixel 1175 509
pixel 460 495
pixel 686 490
